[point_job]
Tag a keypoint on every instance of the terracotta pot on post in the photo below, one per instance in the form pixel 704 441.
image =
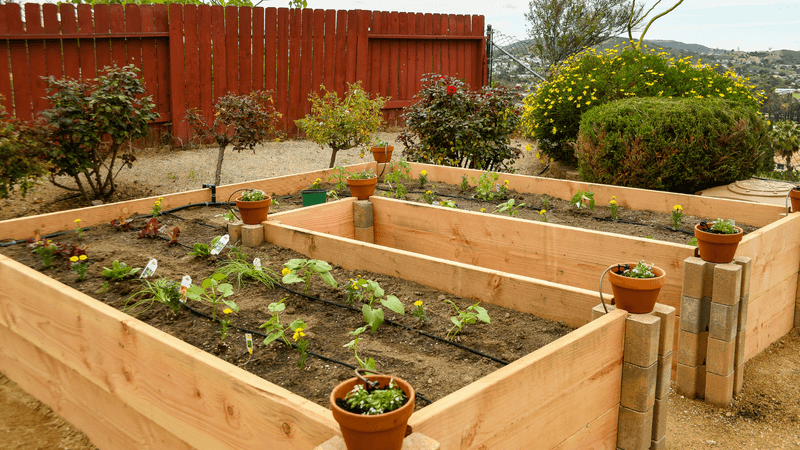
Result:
pixel 636 295
pixel 374 432
pixel 253 213
pixel 794 196
pixel 717 248
pixel 382 154
pixel 362 189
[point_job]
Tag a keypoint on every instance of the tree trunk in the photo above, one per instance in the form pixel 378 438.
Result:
pixel 333 157
pixel 220 157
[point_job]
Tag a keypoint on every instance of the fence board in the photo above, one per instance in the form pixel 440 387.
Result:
pixel 177 92
pixel 5 69
pixel 306 60
pixel 245 51
pixel 375 53
pixel 352 40
pixel 86 45
pixel 295 26
pixel 341 43
pixel 394 57
pixel 479 61
pixel 133 24
pixel 23 108
pixel 462 29
pixel 191 57
pixel 116 25
pixel 270 48
pixel 55 65
pixel 362 47
pixel 69 25
pixel 258 48
pixel 420 63
pixel 330 50
pixel 318 52
pixel 282 87
pixel 451 67
pixel 149 55
pixel 161 20
pixel 205 62
pixel 220 58
pixel 36 57
pixel 102 46
pixel 402 74
pixel 231 50
pixel 436 58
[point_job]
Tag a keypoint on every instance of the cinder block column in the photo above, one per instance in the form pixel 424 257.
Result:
pixel 723 324
pixel 639 380
pixel 235 231
pixel 744 303
pixel 363 221
pixel 658 439
pixel 698 282
pixel 252 235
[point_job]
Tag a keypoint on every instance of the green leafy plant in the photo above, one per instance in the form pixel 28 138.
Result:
pixel 22 159
pixel 79 230
pixel 162 290
pixel 368 291
pixel 455 125
pixel 368 363
pixel 448 204
pixel 253 195
pixel 508 207
pixel 47 250
pixel 213 292
pixel 342 123
pixel 315 184
pixel 332 194
pixel 157 207
pixel 90 126
pixel 122 224
pixel 641 270
pixel 543 215
pixel 293 268
pixel 367 401
pixel 340 175
pixel 692 241
pixel 545 203
pixel 242 121
pixel 614 207
pixel 677 216
pixel 203 250
pixel 224 323
pixel 244 270
pixel 119 271
pixel 276 331
pixel 582 198
pixel 419 312
pixel 723 226
pixel 362 175
pixel 430 195
pixel 487 188
pixel 469 315
pixel 464 182
pixel 78 265
pixel 423 178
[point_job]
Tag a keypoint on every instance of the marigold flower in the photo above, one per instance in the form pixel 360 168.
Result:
pixel 429 192
pixel 505 182
pixel 677 208
pixel 227 310
pixel 542 212
pixel 73 258
pixel 613 202
pixel 298 333
pixel 418 303
pixel 77 220
pixel 83 257
pixel 285 271
pixel 158 203
pixel 424 172
pixel 483 209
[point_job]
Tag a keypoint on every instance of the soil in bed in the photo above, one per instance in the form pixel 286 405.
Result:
pixel 433 367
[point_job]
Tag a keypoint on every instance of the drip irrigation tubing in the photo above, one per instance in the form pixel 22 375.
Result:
pixel 293 345
pixel 654 225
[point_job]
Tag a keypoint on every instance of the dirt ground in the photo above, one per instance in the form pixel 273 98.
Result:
pixel 765 416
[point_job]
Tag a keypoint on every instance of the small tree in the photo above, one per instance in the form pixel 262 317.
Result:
pixel 342 123
pixel 90 125
pixel 243 121
pixel 21 160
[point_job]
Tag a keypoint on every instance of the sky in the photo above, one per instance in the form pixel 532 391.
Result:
pixel 746 25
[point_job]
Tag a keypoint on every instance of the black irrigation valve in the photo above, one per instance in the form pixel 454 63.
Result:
pixel 213 191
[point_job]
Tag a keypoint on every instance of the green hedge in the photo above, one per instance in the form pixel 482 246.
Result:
pixel 678 145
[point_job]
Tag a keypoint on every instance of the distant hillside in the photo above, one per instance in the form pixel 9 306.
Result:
pixel 696 48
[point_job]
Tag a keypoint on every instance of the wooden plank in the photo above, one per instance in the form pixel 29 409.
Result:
pixel 294 110
pixel 451 46
pixel 421 48
pixel 550 252
pixel 306 61
pixel 283 67
pixel 386 54
pixel 219 57
pixel 149 54
pixel 352 46
pixel 599 434
pixel 479 53
pixel 164 98
pixel 20 72
pixel 335 218
pixel 245 50
pixel 87 45
pixel 755 214
pixel 191 57
pixel 232 50
pixel 362 50
pixel 5 68
pixel 177 91
pixel 116 19
pixel 55 64
pixel 544 299
pixel 775 253
pixel 318 53
pixel 206 68
pixel 402 76
pixel 577 380
pixel 102 47
pixel 341 52
pixel 770 317
pixel 460 45
pixel 37 59
pixel 394 67
pixel 413 48
pixel 270 49
pixel 105 419
pixel 436 61
pixel 330 50
pixel 69 25
pixel 159 376
pixel 376 62
pixel 133 24
pixel 258 49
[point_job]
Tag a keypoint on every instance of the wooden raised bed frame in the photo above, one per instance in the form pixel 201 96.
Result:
pixel 128 385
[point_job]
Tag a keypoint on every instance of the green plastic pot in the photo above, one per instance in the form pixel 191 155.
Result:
pixel 314 196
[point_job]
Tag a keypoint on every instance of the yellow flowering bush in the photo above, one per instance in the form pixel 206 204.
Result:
pixel 552 115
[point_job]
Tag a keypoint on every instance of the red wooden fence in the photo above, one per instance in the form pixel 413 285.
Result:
pixel 191 55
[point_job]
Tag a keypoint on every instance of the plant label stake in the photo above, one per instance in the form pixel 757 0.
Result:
pixel 220 244
pixel 257 263
pixel 149 269
pixel 249 340
pixel 186 283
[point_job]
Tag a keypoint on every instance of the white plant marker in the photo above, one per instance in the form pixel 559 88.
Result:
pixel 149 269
pixel 257 263
pixel 249 340
pixel 186 283
pixel 220 244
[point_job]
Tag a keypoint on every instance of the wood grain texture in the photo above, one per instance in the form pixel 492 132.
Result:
pixel 335 218
pixel 770 316
pixel 202 400
pixel 576 379
pixel 599 434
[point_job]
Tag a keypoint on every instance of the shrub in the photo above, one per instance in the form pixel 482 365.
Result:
pixel 21 160
pixel 91 125
pixel 553 114
pixel 345 123
pixel 678 145
pixel 453 125
pixel 242 121
pixel 784 139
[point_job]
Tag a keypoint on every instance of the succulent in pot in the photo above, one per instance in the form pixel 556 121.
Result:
pixel 362 184
pixel 717 242
pixel 254 206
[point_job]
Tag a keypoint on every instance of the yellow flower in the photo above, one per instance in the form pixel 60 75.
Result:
pixel 528 147
pixel 285 271
pixel 160 198
pixel 418 303
pixel 317 180
pixel 158 203
pixel 77 220
pixel 613 197
pixel 677 208
pixel 298 333
pixel 73 258
pixel 83 257
pixel 538 155
pixel 554 128
pixel 424 172
pixel 429 192
pixel 542 212
pixel 483 209
pixel 505 182
pixel 227 310
pixel 613 202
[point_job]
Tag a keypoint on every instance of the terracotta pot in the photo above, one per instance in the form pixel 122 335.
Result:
pixel 382 154
pixel 379 432
pixel 717 248
pixel 636 295
pixel 794 196
pixel 314 196
pixel 253 213
pixel 362 189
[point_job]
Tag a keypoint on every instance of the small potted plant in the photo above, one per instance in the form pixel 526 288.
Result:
pixel 636 286
pixel 381 151
pixel 373 412
pixel 794 196
pixel 362 184
pixel 314 195
pixel 254 206
pixel 717 241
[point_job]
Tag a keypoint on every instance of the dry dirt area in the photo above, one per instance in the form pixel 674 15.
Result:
pixel 765 416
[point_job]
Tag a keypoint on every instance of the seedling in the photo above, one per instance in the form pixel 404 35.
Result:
pixel 582 198
pixel 203 250
pixel 276 331
pixel 677 216
pixel 245 270
pixel 224 323
pixel 723 226
pixel 419 312
pixel 486 187
pixel 340 175
pixel 614 207
pixel 430 195
pixel 173 236
pixel 157 207
pixel 214 292
pixel 150 229
pixel 641 270
pixel 543 215
pixel 508 207
pixel 309 267
pixel 365 401
pixel 78 265
pixel 122 224
pixel 369 363
pixel 253 195
pixel 368 291
pixel 423 178
pixel 47 250
pixel 464 182
pixel 79 230
pixel 470 315
pixel 162 290
pixel 119 271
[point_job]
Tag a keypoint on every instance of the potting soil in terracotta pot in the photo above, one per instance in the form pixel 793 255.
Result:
pixel 636 295
pixel 253 213
pixel 717 248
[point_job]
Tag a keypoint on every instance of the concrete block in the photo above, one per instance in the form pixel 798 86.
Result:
pixel 740 345
pixel 719 389
pixel 698 278
pixel 667 329
pixel 746 264
pixel 235 231
pixel 692 348
pixel 691 381
pixel 720 357
pixel 744 305
pixel 660 444
pixel 252 235
pixel 638 386
pixel 660 410
pixel 727 284
pixel 598 311
pixel 362 214
pixel 641 339
pixel 723 321
pixel 664 376
pixel 634 429
pixel 695 313
pixel 365 234
pixel 738 379
pixel 414 441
